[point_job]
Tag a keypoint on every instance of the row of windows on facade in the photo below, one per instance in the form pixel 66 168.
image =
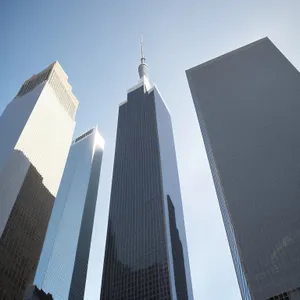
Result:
pixel 144 229
pixel 124 279
pixel 143 252
pixel 83 135
pixel 56 84
pixel 290 295
pixel 137 165
pixel 144 209
pixel 147 179
pixel 20 264
pixel 114 268
pixel 142 174
pixel 143 262
pixel 147 234
pixel 11 247
pixel 24 250
pixel 141 280
pixel 62 94
pixel 156 290
pixel 28 227
pixel 143 275
pixel 139 220
pixel 145 294
pixel 139 201
pixel 137 285
pixel 16 282
pixel 33 82
pixel 142 198
pixel 154 295
pixel 227 222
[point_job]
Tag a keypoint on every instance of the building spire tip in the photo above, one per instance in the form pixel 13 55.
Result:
pixel 142 49
pixel 143 68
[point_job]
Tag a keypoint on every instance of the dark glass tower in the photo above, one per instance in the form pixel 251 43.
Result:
pixel 146 250
pixel 248 104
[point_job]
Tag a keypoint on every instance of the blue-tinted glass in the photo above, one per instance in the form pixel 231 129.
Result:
pixel 63 265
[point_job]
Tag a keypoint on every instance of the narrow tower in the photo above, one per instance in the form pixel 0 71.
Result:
pixel 146 250
pixel 62 268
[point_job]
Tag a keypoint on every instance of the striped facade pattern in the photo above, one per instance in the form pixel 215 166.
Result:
pixel 247 103
pixel 62 268
pixel 36 131
pixel 138 262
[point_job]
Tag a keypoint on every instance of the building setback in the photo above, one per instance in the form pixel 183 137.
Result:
pixel 36 131
pixel 62 269
pixel 248 103
pixel 33 293
pixel 146 250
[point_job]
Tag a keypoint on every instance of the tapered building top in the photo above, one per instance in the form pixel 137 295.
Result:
pixel 58 80
pixel 143 67
pixel 143 72
pixel 153 247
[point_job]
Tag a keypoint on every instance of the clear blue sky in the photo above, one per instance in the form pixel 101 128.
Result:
pixel 97 44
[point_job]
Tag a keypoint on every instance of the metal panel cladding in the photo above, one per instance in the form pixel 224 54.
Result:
pixel 247 102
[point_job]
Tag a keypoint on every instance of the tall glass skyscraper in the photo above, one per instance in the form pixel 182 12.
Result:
pixel 36 131
pixel 63 265
pixel 248 104
pixel 146 250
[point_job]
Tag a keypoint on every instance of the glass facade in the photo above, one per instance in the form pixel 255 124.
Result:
pixel 246 103
pixel 23 236
pixel 63 265
pixel 139 261
pixel 36 131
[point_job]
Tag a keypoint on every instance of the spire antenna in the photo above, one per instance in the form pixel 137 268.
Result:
pixel 143 59
pixel 143 68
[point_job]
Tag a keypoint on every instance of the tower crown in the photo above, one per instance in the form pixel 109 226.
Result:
pixel 143 67
pixel 143 73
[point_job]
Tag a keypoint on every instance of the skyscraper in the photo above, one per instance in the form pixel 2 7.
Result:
pixel 146 250
pixel 36 131
pixel 63 265
pixel 247 102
